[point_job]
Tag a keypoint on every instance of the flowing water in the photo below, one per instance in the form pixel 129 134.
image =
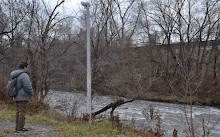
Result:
pixel 172 115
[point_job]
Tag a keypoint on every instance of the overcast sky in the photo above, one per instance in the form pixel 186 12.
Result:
pixel 69 5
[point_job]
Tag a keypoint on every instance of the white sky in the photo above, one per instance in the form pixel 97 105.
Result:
pixel 69 5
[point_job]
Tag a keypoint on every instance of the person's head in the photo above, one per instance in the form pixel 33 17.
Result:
pixel 24 65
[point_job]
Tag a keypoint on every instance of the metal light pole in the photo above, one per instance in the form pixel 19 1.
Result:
pixel 86 5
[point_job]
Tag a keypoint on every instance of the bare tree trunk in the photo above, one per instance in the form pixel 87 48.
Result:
pixel 31 60
pixel 44 50
pixel 191 117
pixel 113 106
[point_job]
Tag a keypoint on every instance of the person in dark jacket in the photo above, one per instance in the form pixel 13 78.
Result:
pixel 24 94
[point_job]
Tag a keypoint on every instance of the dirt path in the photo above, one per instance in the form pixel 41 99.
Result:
pixel 7 129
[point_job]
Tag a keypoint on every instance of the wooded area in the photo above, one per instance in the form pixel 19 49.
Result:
pixel 139 47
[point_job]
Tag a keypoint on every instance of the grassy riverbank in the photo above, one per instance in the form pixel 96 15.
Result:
pixel 66 128
pixel 207 101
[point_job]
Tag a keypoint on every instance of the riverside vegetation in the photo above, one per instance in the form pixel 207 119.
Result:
pixel 41 114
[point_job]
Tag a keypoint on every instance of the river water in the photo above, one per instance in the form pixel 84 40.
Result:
pixel 172 115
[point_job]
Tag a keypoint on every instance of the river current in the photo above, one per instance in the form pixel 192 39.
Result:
pixel 173 116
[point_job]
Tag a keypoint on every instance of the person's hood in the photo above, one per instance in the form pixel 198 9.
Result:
pixel 15 73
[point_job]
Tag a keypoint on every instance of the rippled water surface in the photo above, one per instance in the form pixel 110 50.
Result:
pixel 172 115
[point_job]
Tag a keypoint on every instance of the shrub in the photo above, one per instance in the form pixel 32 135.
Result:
pixel 3 94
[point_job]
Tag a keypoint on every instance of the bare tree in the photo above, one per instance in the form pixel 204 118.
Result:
pixel 176 18
pixel 13 15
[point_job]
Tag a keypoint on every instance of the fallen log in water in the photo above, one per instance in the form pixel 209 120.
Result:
pixel 113 106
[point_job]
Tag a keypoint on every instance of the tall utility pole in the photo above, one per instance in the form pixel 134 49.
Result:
pixel 86 5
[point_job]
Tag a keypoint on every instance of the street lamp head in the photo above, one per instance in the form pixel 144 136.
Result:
pixel 85 4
